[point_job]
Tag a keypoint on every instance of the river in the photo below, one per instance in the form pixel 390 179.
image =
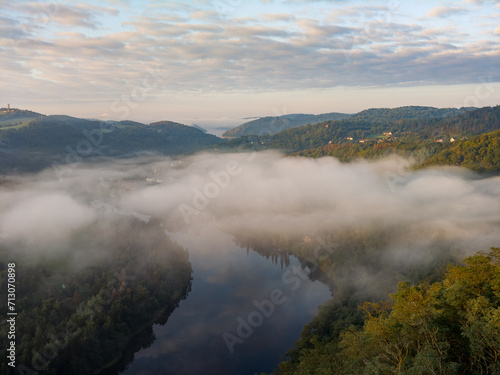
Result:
pixel 243 313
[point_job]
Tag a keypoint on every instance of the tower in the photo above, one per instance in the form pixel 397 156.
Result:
pixel 8 107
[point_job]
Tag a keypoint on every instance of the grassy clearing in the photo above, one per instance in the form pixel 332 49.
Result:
pixel 15 123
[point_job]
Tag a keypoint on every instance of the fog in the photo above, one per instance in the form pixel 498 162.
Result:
pixel 258 194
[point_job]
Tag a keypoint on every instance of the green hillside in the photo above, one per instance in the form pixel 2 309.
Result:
pixel 41 141
pixel 480 153
pixel 446 327
pixel 61 139
pixel 353 131
pixel 408 113
pixel 14 118
pixel 312 136
pixel 275 124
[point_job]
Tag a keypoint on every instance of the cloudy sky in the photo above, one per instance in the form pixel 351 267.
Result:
pixel 216 62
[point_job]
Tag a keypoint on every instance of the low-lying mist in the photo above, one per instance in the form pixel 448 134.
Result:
pixel 262 194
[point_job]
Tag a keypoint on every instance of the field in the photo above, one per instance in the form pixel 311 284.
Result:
pixel 15 123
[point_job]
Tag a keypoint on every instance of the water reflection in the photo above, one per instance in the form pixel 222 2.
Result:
pixel 229 284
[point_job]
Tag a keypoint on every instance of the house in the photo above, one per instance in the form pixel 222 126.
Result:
pixel 349 138
pixel 440 140
pixel 128 185
pixel 452 139
pixel 387 134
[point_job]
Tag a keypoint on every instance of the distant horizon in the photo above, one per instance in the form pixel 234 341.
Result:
pixel 213 63
pixel 220 128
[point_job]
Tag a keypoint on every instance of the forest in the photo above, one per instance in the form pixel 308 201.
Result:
pixel 442 318
pixel 469 139
pixel 480 153
pixel 276 124
pixel 419 132
pixel 63 139
pixel 79 310
pixel 450 326
pixel 404 130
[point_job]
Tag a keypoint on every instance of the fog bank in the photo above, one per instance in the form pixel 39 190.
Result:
pixel 258 194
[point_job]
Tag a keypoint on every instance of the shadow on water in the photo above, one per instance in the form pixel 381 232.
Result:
pixel 142 340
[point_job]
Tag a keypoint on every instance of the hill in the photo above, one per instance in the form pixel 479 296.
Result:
pixel 44 140
pixel 408 113
pixel 480 153
pixel 376 130
pixel 16 118
pixel 66 139
pixel 275 124
pixel 450 326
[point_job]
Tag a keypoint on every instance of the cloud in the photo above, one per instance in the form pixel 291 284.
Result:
pixel 43 218
pixel 407 219
pixel 10 28
pixel 480 2
pixel 299 196
pixel 352 46
pixel 283 17
pixel 445 11
pixel 262 192
pixel 82 15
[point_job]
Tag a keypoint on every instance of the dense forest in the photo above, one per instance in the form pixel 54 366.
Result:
pixel 63 139
pixel 80 306
pixel 446 327
pixel 273 125
pixel 385 115
pixel 442 316
pixel 352 131
pixel 408 131
pixel 469 139
pixel 479 153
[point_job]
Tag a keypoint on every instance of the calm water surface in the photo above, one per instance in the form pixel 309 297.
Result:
pixel 228 282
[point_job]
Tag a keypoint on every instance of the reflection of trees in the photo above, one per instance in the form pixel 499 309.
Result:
pixel 279 247
pixel 142 340
pixel 272 246
pixel 356 262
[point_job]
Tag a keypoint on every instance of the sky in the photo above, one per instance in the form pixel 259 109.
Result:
pixel 213 63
